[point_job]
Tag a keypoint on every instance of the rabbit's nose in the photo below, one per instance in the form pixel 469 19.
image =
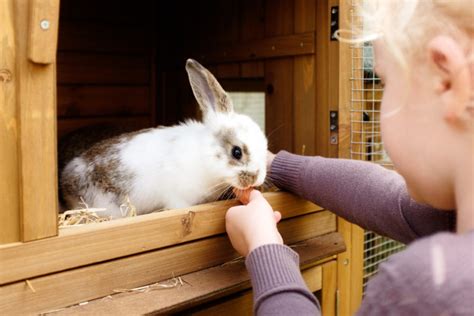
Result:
pixel 247 178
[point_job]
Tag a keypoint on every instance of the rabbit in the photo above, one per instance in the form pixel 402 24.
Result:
pixel 171 167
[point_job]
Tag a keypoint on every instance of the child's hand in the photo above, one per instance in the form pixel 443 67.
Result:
pixel 252 225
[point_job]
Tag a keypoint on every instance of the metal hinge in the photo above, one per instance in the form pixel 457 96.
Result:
pixel 334 26
pixel 333 127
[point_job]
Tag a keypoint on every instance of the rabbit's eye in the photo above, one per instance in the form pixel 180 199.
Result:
pixel 237 152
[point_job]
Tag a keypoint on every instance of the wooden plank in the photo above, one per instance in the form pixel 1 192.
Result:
pixel 208 285
pixel 279 104
pixel 83 101
pixel 279 17
pixel 357 268
pixel 252 69
pixel 322 78
pixel 93 281
pixel 304 84
pixel 333 83
pixel 270 47
pixel 130 123
pixel 9 186
pixel 329 286
pixel 80 36
pixel 108 240
pixel 36 106
pixel 305 15
pixel 304 100
pixel 229 70
pixel 242 303
pixel 92 68
pixel 43 31
pixel 106 11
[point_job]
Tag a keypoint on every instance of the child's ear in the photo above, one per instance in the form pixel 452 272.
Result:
pixel 453 76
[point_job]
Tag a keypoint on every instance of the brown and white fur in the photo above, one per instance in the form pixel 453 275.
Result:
pixel 171 167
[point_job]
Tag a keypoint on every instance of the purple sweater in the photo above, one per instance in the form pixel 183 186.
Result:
pixel 433 276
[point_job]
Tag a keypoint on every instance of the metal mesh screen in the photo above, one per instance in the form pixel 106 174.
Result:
pixel 366 142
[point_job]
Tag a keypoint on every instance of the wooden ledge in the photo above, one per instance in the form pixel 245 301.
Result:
pixel 92 243
pixel 202 286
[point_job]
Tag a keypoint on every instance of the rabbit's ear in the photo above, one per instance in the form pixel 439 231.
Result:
pixel 207 90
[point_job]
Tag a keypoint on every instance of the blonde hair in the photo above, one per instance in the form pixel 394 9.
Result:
pixel 406 26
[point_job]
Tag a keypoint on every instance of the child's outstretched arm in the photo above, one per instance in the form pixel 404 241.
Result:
pixel 361 192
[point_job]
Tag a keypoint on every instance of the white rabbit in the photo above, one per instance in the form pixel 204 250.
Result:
pixel 171 167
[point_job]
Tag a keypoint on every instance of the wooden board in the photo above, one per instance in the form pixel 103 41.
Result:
pixel 133 122
pixel 279 104
pixel 83 101
pixel 9 129
pixel 98 280
pixel 93 68
pixel 80 36
pixel 329 295
pixel 209 285
pixel 103 241
pixel 269 47
pixel 43 27
pixel 36 106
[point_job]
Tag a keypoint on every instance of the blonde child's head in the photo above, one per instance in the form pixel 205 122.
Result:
pixel 407 26
pixel 424 53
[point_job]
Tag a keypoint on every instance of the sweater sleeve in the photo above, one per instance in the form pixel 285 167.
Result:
pixel 433 276
pixel 278 286
pixel 361 192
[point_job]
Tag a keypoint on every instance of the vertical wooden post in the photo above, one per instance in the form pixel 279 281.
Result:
pixel 10 213
pixel 36 28
pixel 304 84
pixel 352 272
pixel 329 302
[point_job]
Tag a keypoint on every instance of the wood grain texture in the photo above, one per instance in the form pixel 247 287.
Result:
pixel 36 105
pixel 92 243
pixel 269 47
pixel 9 129
pixel 43 31
pixel 209 285
pixel 98 280
pixel 132 122
pixel 328 304
pixel 92 68
pixel 83 101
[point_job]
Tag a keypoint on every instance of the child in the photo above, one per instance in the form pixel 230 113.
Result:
pixel 423 52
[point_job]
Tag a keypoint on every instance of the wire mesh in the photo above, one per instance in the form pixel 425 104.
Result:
pixel 366 141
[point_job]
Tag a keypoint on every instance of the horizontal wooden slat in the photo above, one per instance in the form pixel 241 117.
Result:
pixel 209 284
pixel 90 68
pixel 279 46
pixel 99 37
pixel 92 243
pixel 242 303
pixel 130 123
pixel 74 101
pixel 98 280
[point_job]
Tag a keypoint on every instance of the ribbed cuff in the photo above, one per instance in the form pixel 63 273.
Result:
pixel 272 265
pixel 285 171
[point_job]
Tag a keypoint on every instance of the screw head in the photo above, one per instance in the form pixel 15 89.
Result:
pixel 346 262
pixel 44 24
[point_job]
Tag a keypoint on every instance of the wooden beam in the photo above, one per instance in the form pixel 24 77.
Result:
pixel 209 285
pixel 73 286
pixel 9 186
pixel 270 47
pixel 43 31
pixel 77 246
pixel 329 296
pixel 36 106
